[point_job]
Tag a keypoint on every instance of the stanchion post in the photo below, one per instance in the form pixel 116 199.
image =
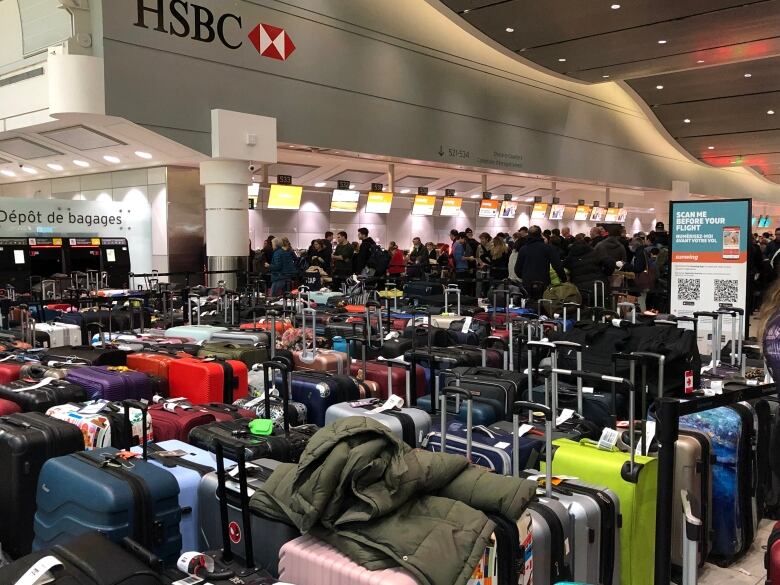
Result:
pixel 668 421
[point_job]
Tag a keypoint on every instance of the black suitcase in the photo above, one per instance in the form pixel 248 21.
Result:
pixel 86 354
pixel 89 559
pixel 489 384
pixel 420 290
pixel 26 442
pixel 284 444
pixel 41 395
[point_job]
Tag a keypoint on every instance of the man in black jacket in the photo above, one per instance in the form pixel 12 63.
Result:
pixel 367 247
pixel 533 263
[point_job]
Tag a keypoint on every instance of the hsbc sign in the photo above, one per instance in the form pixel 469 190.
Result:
pixel 178 18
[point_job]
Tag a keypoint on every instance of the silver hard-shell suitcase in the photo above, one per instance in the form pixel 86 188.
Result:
pixel 411 425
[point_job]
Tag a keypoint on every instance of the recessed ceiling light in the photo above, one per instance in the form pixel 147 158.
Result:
pixel 55 166
pixel 142 154
pixel 30 170
pixel 529 200
pixel 510 29
pixel 770 112
pixel 659 86
pixel 476 196
pixel 466 11
pixel 81 163
pixel 292 146
pixel 605 76
pixel 615 7
pixel 7 173
pixel 110 158
pixel 710 148
pixel 687 120
pixel 651 209
pixel 748 75
pixel 662 42
pixel 320 185
pixel 562 60
pixel 431 192
pixel 352 186
pixel 700 61
pixel 405 191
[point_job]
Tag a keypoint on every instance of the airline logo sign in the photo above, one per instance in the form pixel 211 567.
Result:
pixel 272 41
pixel 192 21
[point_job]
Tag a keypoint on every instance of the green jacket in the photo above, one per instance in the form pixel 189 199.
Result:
pixel 384 504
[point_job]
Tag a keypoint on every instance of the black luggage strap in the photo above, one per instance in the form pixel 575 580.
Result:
pixel 146 530
pixel 170 462
pixel 229 383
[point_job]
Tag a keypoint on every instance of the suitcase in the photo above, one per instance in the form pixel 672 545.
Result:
pixel 41 395
pixel 226 350
pixel 392 378
pixel 154 364
pixel 633 478
pixel 91 321
pixel 113 383
pixel 119 497
pixel 104 424
pixel 319 360
pixel 421 290
pixel 243 337
pixel 196 332
pixel 261 538
pixel 89 559
pixel 209 380
pixel 318 391
pixel 772 556
pixel 174 419
pixel 188 464
pixel 60 334
pixel 26 442
pixel 296 411
pixel 500 387
pixel 284 444
pixel 10 371
pixel 411 425
pixel 8 407
pixel 307 561
pixel 86 354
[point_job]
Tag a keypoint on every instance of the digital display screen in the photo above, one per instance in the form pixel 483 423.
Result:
pixel 509 210
pixel 612 215
pixel 540 211
pixel 557 211
pixel 489 208
pixel 424 205
pixel 582 213
pixel 450 206
pixel 345 201
pixel 379 202
pixel 622 215
pixel 18 256
pixel 110 255
pixel 597 214
pixel 285 197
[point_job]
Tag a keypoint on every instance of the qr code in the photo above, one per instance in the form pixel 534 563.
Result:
pixel 726 291
pixel 689 289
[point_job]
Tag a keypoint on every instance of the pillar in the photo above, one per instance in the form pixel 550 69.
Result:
pixel 227 217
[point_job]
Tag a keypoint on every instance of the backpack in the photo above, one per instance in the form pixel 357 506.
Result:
pixel 378 261
pixel 560 294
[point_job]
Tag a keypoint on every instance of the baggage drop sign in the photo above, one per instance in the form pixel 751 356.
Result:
pixel 709 243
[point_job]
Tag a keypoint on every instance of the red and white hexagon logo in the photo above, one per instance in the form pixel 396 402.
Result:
pixel 272 41
pixel 234 530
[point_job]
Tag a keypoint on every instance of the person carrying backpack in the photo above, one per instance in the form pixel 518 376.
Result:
pixel 367 248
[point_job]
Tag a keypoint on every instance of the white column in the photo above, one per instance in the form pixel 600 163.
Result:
pixel 227 216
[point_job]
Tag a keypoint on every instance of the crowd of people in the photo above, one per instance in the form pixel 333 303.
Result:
pixel 531 257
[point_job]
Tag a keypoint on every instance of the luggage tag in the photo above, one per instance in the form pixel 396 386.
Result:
pixel 94 407
pixel 608 440
pixel 364 402
pixel 41 384
pixel 39 573
pixel 392 403
pixel 261 427
pixel 175 453
pixel 466 324
pixel 565 415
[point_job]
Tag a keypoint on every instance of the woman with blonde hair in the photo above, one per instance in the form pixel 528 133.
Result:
pixel 499 259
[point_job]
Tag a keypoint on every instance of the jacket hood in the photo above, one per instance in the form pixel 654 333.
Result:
pixel 579 249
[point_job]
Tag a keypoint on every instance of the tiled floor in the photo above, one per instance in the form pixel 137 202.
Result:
pixel 747 571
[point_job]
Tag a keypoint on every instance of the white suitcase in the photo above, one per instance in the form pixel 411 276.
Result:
pixel 60 334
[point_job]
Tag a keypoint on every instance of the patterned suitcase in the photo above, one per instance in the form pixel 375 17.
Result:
pixel 307 561
pixel 208 380
pixel 104 424
pixel 114 383
pixel 26 442
pixel 41 395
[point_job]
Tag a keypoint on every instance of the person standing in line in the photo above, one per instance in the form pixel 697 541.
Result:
pixel 611 247
pixel 397 265
pixel 327 251
pixel 342 260
pixel 282 267
pixel 534 261
pixel 498 258
pixel 367 247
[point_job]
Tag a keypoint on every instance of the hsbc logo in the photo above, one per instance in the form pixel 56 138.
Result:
pixel 182 19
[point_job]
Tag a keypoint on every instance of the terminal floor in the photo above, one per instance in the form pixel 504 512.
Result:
pixel 749 570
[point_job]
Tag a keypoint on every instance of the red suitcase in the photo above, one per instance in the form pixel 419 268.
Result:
pixel 9 372
pixel 173 420
pixel 208 380
pixel 772 557
pixel 378 371
pixel 8 407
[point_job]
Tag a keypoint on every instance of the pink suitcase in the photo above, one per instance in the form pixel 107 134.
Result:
pixel 308 561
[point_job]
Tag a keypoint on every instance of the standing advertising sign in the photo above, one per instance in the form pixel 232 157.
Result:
pixel 709 246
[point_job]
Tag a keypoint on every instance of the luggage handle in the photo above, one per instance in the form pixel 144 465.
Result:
pixel 737 334
pixel 351 341
pixel 692 531
pixel 661 359
pixel 378 311
pixel 227 552
pixel 411 397
pixel 566 306
pixel 631 469
pixel 577 347
pixel 531 407
pixel 268 369
pixel 715 333
pixel 631 306
pixel 469 398
pixel 144 408
pixel 434 373
pixel 272 334
pixel 530 345
pixel 599 286
pixel 305 352
pixel 454 289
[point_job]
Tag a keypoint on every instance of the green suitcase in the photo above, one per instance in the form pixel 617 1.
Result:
pixel 249 354
pixel 633 479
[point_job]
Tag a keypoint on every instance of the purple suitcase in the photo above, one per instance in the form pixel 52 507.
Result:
pixel 113 383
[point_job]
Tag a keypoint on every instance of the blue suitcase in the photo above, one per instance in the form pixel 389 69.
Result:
pixel 135 498
pixel 188 470
pixel 319 391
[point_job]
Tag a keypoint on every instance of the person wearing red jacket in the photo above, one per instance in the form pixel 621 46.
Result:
pixel 397 263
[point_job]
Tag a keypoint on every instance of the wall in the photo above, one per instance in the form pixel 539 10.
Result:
pixel 315 218
pixel 395 78
pixel 135 192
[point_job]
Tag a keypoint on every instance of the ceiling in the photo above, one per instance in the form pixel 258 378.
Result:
pixel 709 69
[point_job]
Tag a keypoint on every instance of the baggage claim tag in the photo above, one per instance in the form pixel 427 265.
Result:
pixel 390 404
pixel 608 439
pixel 524 430
pixel 39 574
pixel 466 324
pixel 565 415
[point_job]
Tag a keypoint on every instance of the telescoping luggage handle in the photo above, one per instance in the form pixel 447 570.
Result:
pixel 413 361
pixel 553 379
pixel 376 308
pixel 189 307
pixel 411 397
pixel 268 370
pixel 306 354
pixel 692 534
pixel 490 343
pixel 599 287
pixel 576 307
pixel 144 408
pixel 644 357
pixel 716 333
pixel 737 315
pixel 455 290
pixel 272 333
pixel 517 409
pixel 631 468
pixel 578 350
pixel 469 398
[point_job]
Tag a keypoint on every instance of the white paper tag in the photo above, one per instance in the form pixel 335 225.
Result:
pixel 501 445
pixel 466 324
pixel 39 574
pixel 390 404
pixel 649 436
pixel 524 430
pixel 587 390
pixel 565 415
pixel 716 386
pixel 93 407
pixel 5 359
pixel 608 439
pixel 41 384
pixel 254 402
